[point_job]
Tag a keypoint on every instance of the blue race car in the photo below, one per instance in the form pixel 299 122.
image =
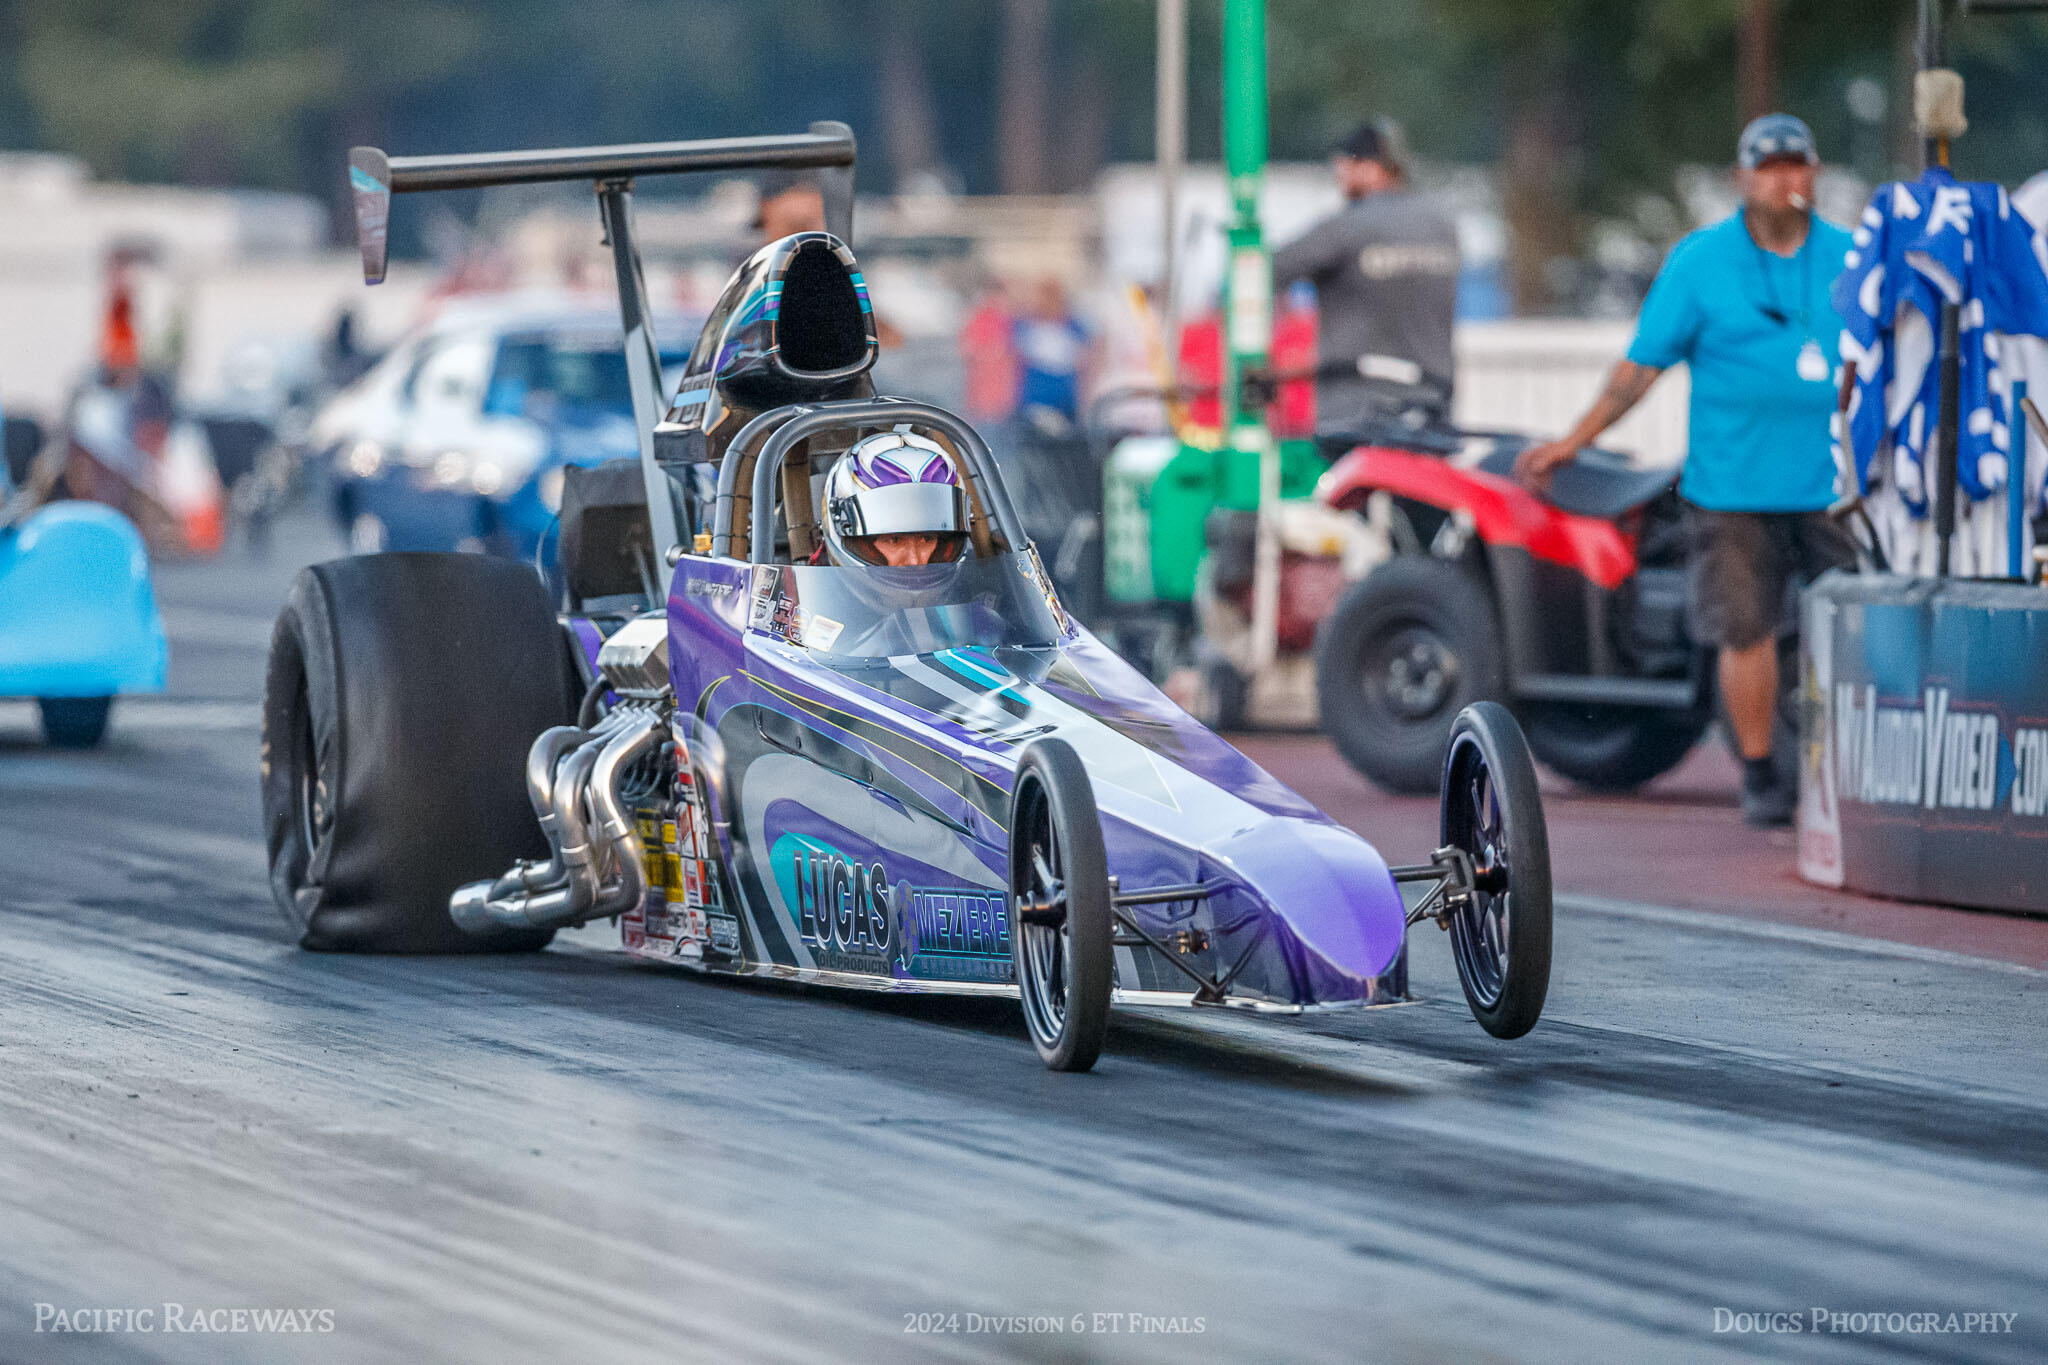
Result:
pixel 78 619
pixel 459 438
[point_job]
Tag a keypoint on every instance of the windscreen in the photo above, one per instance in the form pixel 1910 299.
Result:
pixel 873 613
pixel 563 378
pixel 530 371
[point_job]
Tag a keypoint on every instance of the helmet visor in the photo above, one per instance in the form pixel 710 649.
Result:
pixel 901 509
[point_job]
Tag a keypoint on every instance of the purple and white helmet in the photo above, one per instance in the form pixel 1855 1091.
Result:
pixel 893 483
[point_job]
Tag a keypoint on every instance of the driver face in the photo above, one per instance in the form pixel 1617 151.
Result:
pixel 907 550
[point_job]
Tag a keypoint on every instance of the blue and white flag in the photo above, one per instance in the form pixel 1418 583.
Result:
pixel 1921 244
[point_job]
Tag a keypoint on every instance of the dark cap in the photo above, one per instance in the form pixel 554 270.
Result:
pixel 1377 139
pixel 1775 135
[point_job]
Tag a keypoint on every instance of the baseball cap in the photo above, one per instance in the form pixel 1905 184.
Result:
pixel 1775 135
pixel 1377 139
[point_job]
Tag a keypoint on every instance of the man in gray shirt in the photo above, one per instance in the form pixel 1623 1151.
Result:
pixel 1385 269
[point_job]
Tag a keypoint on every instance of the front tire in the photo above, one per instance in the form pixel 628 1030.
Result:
pixel 1061 929
pixel 1492 810
pixel 1408 646
pixel 74 722
pixel 403 693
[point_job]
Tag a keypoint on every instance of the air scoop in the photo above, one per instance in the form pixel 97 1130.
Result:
pixel 634 658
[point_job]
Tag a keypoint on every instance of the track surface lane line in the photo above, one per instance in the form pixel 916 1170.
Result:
pixel 1707 921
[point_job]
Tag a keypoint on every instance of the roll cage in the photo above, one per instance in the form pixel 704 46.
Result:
pixel 993 521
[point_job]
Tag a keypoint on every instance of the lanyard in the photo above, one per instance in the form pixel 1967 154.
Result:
pixel 1776 311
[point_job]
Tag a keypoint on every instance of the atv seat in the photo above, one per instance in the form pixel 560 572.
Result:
pixel 1600 483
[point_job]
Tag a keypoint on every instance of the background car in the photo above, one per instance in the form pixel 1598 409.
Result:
pixel 457 439
pixel 78 617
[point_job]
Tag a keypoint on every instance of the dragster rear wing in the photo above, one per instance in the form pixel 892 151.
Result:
pixel 374 177
pixel 828 149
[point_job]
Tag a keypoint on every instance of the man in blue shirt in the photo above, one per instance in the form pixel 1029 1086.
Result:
pixel 1745 304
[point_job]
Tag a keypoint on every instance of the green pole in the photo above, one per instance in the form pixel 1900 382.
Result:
pixel 1248 306
pixel 1248 295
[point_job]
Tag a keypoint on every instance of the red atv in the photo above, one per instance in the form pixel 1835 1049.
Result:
pixel 1570 608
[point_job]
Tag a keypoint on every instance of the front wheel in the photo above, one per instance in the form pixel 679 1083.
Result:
pixel 74 722
pixel 1061 931
pixel 1492 810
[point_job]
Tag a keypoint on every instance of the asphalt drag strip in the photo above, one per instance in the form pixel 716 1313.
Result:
pixel 1720 1122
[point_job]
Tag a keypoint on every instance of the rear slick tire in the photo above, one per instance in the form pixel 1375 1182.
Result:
pixel 402 695
pixel 1065 972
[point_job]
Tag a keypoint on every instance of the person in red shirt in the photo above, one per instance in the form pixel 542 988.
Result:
pixel 989 354
pixel 1294 352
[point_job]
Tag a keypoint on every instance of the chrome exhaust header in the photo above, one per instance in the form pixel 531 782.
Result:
pixel 542 761
pixel 572 775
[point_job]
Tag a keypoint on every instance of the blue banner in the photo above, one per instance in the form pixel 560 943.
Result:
pixel 1924 765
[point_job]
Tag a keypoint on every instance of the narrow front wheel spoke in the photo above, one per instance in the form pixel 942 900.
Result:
pixel 1048 882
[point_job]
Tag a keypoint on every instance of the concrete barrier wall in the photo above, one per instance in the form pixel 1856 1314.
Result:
pixel 52 318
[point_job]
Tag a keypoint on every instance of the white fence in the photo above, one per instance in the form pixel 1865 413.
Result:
pixel 223 268
pixel 1538 376
pixel 220 271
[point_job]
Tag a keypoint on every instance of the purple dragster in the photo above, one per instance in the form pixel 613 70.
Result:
pixel 766 757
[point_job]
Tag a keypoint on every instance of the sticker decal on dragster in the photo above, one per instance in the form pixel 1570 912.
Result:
pixel 841 907
pixel 831 853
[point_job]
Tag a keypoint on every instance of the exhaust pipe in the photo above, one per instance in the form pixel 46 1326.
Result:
pixel 566 891
pixel 614 827
pixel 541 763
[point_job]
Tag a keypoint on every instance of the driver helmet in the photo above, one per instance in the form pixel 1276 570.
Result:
pixel 894 483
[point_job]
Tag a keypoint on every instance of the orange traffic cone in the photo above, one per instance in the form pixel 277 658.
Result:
pixel 190 489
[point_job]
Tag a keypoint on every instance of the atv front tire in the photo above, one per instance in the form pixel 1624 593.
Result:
pixel 1610 748
pixel 1407 648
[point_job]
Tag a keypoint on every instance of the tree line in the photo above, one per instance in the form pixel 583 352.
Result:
pixel 1583 106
